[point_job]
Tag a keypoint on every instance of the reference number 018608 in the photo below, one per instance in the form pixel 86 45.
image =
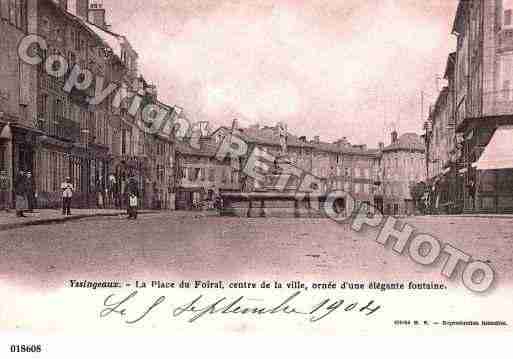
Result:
pixel 15 348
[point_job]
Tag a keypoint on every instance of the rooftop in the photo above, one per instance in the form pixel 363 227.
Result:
pixel 407 142
pixel 269 136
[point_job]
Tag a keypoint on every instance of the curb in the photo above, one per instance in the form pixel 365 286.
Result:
pixel 491 216
pixel 40 222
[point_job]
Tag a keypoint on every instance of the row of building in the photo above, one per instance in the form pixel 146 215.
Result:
pixel 54 134
pixel 381 177
pixel 469 132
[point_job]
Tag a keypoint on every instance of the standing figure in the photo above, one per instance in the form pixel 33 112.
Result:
pixel 132 188
pixel 67 194
pixel 31 192
pixel 112 191
pixel 21 194
pixel 133 203
pixel 282 132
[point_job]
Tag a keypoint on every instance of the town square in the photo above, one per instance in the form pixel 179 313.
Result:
pixel 220 160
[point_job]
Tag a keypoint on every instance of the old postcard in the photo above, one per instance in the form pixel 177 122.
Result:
pixel 270 167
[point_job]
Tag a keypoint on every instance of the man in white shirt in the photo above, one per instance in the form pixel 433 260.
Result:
pixel 67 194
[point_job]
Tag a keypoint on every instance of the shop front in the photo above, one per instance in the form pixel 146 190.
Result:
pixel 487 164
pixel 494 173
pixel 86 166
pixel 17 149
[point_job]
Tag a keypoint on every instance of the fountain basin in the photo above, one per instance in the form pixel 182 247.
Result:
pixel 272 204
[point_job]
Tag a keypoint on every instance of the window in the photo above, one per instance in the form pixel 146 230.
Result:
pixel 15 11
pixel 196 174
pixel 212 175
pixel 12 12
pixel 76 40
pixel 506 88
pixel 123 141
pixel 224 178
pixel 507 17
pixel 506 75
pixel 347 186
pixel 72 59
pixel 4 9
pixel 357 188
pixel 42 106
pixel 57 114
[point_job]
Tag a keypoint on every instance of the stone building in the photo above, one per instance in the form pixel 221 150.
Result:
pixel 443 162
pixel 402 165
pixel 349 168
pixel 484 105
pixel 54 132
pixel 336 166
pixel 201 176
pixel 17 101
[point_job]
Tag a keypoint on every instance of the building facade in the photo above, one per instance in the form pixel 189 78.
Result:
pixel 18 133
pixel 201 176
pixel 402 166
pixel 475 166
pixel 55 132
pixel 341 166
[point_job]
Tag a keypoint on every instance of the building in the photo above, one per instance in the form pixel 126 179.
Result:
pixel 402 166
pixel 349 168
pixel 484 103
pixel 443 165
pixel 201 176
pixel 55 133
pixel 336 166
pixel 17 101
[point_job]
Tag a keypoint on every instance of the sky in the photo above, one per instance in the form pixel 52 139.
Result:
pixel 332 68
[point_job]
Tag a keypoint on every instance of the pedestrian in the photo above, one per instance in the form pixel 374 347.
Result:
pixel 21 194
pixel 31 192
pixel 100 199
pixel 133 203
pixel 112 191
pixel 67 194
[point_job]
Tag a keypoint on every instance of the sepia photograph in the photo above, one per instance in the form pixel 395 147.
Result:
pixel 254 167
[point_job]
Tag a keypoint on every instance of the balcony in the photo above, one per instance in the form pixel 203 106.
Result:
pixel 62 128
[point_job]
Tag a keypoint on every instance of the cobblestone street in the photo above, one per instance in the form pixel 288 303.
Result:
pixel 181 245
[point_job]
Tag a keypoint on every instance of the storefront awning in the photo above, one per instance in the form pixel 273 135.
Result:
pixel 498 154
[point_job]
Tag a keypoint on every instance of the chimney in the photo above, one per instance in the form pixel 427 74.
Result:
pixel 97 14
pixel 317 140
pixel 82 8
pixel 381 146
pixel 394 136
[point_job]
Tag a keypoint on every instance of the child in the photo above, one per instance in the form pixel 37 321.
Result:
pixel 132 206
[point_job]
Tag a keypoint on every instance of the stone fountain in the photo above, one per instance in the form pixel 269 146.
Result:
pixel 269 200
